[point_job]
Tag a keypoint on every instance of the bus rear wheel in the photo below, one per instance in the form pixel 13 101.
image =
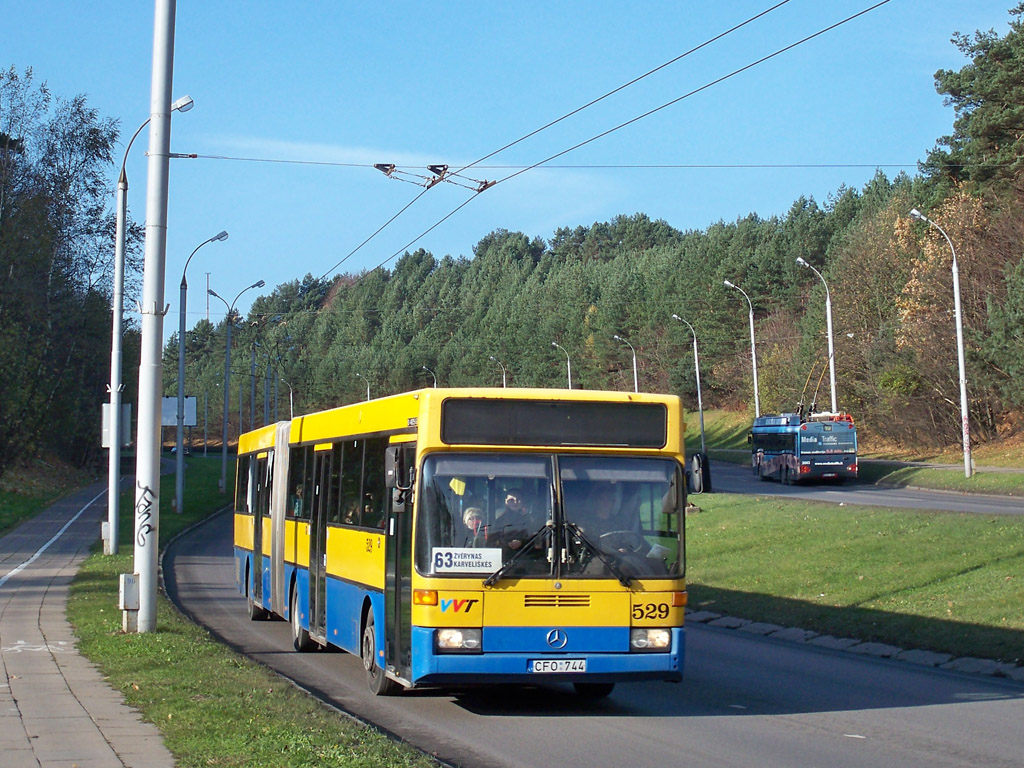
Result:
pixel 301 640
pixel 379 683
pixel 593 690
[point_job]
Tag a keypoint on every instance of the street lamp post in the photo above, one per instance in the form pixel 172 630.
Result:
pixel 367 385
pixel 291 400
pixel 958 316
pixel 179 464
pixel 252 385
pixel 227 379
pixel 184 104
pixel 753 346
pixel 151 311
pixel 828 323
pixel 696 368
pixel 503 380
pixel 568 362
pixel 432 374
pixel 636 383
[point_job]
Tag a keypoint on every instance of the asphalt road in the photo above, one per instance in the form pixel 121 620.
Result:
pixel 745 700
pixel 737 478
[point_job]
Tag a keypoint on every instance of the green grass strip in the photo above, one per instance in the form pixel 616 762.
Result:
pixel 213 706
pixel 947 582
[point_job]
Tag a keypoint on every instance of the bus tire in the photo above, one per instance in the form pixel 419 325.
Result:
pixel 593 690
pixel 784 479
pixel 255 611
pixel 380 684
pixel 301 640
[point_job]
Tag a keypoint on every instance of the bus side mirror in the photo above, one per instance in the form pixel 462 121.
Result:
pixel 392 465
pixel 395 469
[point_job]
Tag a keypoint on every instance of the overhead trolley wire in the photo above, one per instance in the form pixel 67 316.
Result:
pixel 634 81
pixel 440 175
pixel 646 114
pixel 695 91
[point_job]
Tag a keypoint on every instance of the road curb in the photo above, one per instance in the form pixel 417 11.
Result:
pixel 968 664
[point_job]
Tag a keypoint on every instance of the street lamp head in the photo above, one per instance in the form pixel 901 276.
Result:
pixel 260 284
pixel 801 262
pixel 214 293
pixel 616 337
pixel 184 104
pixel 492 357
pixel 222 235
pixel 728 284
pixel 914 213
pixel 676 317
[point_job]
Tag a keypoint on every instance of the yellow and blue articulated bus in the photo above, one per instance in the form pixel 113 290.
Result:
pixel 455 537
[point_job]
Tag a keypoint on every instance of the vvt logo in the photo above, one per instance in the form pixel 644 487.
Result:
pixel 458 606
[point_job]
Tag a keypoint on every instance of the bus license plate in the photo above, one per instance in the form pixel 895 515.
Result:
pixel 558 665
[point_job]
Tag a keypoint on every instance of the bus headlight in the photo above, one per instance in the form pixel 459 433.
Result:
pixel 650 639
pixel 458 640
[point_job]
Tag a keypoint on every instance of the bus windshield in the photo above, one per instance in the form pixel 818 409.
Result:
pixel 541 515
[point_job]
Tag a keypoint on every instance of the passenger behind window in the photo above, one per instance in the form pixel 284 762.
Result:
pixel 297 504
pixel 473 517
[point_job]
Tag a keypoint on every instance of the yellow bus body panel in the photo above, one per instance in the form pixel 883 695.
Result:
pixel 296 542
pixel 243 531
pixel 531 603
pixel 356 555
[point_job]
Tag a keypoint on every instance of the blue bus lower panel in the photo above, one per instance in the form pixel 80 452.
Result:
pixel 497 666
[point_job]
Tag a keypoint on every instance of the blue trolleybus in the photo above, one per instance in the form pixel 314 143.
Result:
pixel 791 448
pixel 468 536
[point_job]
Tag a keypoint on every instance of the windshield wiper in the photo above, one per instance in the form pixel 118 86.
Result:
pixel 493 578
pixel 624 580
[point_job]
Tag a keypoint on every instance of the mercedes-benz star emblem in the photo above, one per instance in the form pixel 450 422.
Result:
pixel 557 639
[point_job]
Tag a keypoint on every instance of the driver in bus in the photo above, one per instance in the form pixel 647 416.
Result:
pixel 514 524
pixel 603 515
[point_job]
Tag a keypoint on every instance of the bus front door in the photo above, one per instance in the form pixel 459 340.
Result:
pixel 257 486
pixel 398 575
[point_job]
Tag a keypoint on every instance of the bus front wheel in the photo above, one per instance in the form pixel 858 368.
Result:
pixel 379 683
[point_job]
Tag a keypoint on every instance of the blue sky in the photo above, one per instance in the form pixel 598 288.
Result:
pixel 322 90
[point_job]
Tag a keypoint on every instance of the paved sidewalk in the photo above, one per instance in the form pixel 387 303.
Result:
pixel 55 708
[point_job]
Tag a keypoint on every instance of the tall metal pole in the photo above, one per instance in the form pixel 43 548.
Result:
pixel 367 385
pixel 266 394
pixel 227 397
pixel 965 417
pixel 252 387
pixel 696 368
pixel 568 362
pixel 753 347
pixel 110 546
pixel 636 381
pixel 179 464
pixel 828 324
pixel 432 374
pixel 227 380
pixel 147 472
